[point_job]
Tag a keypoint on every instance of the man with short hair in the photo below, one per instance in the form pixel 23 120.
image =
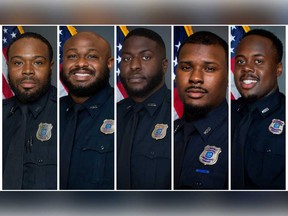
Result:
pixel 30 117
pixel 144 118
pixel 258 117
pixel 87 114
pixel 201 135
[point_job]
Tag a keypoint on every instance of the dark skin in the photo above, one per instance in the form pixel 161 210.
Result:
pixel 142 59
pixel 85 57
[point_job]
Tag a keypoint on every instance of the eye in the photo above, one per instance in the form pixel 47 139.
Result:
pixel 17 63
pixel 186 68
pixel 146 58
pixel 38 63
pixel 240 62
pixel 210 69
pixel 126 59
pixel 71 56
pixel 91 56
pixel 258 61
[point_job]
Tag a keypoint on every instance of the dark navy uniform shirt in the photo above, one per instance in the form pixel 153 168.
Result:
pixel 39 157
pixel 150 163
pixel 92 158
pixel 190 140
pixel 264 157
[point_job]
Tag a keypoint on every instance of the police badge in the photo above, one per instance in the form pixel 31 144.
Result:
pixel 276 126
pixel 210 155
pixel 107 127
pixel 159 131
pixel 44 132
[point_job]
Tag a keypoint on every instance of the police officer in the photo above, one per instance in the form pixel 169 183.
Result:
pixel 258 117
pixel 29 118
pixel 143 128
pixel 87 114
pixel 201 135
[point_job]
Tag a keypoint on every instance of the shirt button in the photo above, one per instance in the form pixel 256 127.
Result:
pixel 40 161
pixel 269 150
pixel 199 184
pixel 102 147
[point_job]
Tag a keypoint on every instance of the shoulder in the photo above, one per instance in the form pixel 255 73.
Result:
pixel 9 101
pixel 53 94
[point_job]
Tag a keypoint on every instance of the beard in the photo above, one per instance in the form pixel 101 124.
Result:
pixel 88 90
pixel 26 96
pixel 192 113
pixel 152 83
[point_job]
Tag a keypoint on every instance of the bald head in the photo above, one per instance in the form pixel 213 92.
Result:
pixel 86 38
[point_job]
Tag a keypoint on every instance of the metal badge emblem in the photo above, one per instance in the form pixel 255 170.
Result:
pixel 107 127
pixel 276 126
pixel 210 155
pixel 159 131
pixel 44 132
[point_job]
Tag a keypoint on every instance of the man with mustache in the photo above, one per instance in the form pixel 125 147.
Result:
pixel 87 114
pixel 201 135
pixel 258 117
pixel 30 117
pixel 143 129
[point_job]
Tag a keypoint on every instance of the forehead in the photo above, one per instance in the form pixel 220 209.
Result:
pixel 29 45
pixel 85 41
pixel 255 43
pixel 134 43
pixel 195 51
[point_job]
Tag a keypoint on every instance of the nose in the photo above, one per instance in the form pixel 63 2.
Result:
pixel 248 67
pixel 28 69
pixel 196 76
pixel 82 62
pixel 135 63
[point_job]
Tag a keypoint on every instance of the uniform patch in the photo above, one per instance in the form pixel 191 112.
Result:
pixel 210 155
pixel 107 127
pixel 276 126
pixel 44 132
pixel 159 131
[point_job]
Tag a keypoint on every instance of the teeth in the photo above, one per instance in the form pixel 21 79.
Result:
pixel 249 81
pixel 83 75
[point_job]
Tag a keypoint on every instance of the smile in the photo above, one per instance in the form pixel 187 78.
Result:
pixel 249 81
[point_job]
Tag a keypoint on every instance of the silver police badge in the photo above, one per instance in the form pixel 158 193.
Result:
pixel 107 126
pixel 276 126
pixel 44 132
pixel 159 131
pixel 210 155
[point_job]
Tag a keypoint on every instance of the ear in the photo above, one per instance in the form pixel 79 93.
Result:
pixel 110 63
pixel 164 65
pixel 279 69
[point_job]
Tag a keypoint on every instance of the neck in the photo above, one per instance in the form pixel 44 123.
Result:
pixel 79 100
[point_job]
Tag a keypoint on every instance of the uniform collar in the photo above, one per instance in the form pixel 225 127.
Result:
pixel 152 103
pixel 35 107
pixel 265 105
pixel 205 126
pixel 93 104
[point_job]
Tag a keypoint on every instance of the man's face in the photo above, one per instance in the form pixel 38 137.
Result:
pixel 86 64
pixel 29 69
pixel 202 76
pixel 256 69
pixel 143 65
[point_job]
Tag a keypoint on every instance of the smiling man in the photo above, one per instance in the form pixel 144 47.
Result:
pixel 87 114
pixel 30 117
pixel 258 117
pixel 143 119
pixel 201 135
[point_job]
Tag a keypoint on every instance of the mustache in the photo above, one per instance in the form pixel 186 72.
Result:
pixel 28 78
pixel 249 76
pixel 75 70
pixel 195 87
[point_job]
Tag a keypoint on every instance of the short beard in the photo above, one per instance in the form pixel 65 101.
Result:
pixel 26 97
pixel 86 91
pixel 192 113
pixel 153 83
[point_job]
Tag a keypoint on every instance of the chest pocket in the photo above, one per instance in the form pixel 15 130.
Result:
pixel 98 163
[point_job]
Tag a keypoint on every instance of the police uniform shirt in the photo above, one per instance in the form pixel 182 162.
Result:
pixel 92 158
pixel 40 143
pixel 201 151
pixel 150 163
pixel 264 149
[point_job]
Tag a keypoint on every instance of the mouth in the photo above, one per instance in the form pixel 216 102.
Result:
pixel 196 92
pixel 82 75
pixel 248 83
pixel 136 79
pixel 28 84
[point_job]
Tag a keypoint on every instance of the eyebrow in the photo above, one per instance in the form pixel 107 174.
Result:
pixel 34 57
pixel 75 49
pixel 143 51
pixel 243 56
pixel 191 62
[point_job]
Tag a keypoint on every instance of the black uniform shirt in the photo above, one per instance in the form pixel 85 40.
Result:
pixel 150 164
pixel 92 158
pixel 190 140
pixel 264 150
pixel 39 157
